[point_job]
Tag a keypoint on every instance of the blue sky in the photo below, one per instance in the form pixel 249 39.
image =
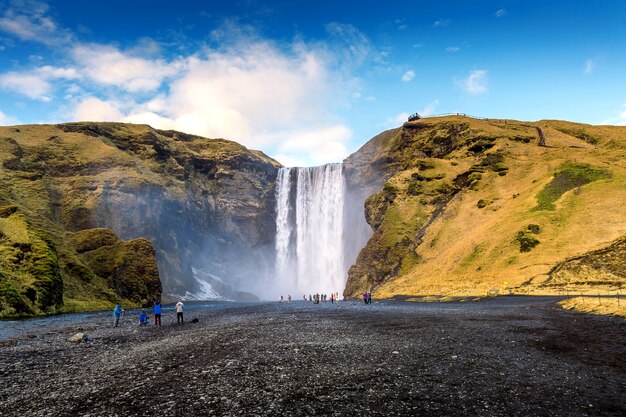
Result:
pixel 309 83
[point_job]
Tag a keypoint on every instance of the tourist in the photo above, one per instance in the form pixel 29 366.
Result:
pixel 143 318
pixel 369 298
pixel 117 313
pixel 179 312
pixel 281 298
pixel 289 298
pixel 365 297
pixel 310 297
pixel 157 312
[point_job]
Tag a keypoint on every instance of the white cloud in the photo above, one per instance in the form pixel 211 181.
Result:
pixel 408 76
pixel 441 23
pixel 95 110
pixel 400 118
pixel 282 98
pixel 6 120
pixel 28 84
pixel 28 20
pixel 324 145
pixel 109 66
pixel 396 120
pixel 453 49
pixel 35 84
pixel 619 119
pixel 475 83
pixel 590 66
pixel 429 109
pixel 263 95
pixel 501 13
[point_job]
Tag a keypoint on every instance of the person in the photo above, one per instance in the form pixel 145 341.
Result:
pixel 281 298
pixel 157 312
pixel 179 312
pixel 143 318
pixel 289 298
pixel 117 313
pixel 369 298
pixel 365 297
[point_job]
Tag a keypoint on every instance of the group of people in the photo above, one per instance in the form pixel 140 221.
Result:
pixel 322 298
pixel 315 298
pixel 119 312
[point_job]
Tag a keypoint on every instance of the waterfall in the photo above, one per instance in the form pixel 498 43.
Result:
pixel 309 230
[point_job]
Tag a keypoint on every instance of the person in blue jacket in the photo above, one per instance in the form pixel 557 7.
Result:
pixel 117 313
pixel 157 313
pixel 143 318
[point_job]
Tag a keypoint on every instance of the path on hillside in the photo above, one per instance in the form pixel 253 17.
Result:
pixel 499 357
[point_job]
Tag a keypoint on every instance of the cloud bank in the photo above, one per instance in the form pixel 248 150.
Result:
pixel 280 97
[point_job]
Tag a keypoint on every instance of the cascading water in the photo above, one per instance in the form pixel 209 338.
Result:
pixel 309 230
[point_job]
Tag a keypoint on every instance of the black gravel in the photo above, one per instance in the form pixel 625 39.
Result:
pixel 510 356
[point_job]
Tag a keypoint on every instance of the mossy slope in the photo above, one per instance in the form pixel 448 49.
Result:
pixel 469 206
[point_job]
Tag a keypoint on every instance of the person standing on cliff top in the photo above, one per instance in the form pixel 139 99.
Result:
pixel 179 312
pixel 117 313
pixel 157 312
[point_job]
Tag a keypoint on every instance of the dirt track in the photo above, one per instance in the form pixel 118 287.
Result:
pixel 509 356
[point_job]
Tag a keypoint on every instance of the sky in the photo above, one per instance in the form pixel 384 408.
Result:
pixel 309 82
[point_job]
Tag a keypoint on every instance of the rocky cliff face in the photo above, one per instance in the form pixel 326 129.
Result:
pixel 202 203
pixel 465 206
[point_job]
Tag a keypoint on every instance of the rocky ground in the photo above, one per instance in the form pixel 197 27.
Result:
pixel 509 356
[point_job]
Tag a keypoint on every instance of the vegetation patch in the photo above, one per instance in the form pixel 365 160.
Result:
pixel 523 139
pixel 526 239
pixel 493 162
pixel 473 256
pixel 567 177
pixel 482 203
pixel 415 188
pixel 579 134
pixel 481 145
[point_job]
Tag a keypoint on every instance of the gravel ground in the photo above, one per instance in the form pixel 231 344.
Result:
pixel 509 356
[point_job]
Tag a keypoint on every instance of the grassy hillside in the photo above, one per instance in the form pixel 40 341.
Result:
pixel 79 200
pixel 473 206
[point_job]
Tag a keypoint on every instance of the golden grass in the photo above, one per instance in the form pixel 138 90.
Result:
pixel 606 306
pixel 586 218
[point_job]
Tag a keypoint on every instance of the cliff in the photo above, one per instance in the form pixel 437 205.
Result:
pixel 465 206
pixel 180 201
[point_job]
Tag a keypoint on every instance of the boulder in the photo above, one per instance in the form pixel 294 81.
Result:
pixel 77 338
